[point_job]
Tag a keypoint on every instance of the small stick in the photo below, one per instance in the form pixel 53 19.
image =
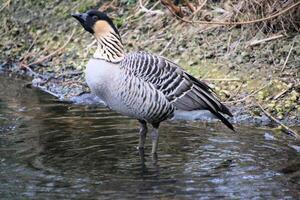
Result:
pixel 49 92
pixel 236 93
pixel 237 23
pixel 221 79
pixel 175 10
pixel 228 43
pixel 189 5
pixel 90 45
pixel 28 52
pixel 166 47
pixel 287 58
pixel 31 71
pixel 71 82
pixel 128 19
pixel 144 9
pixel 290 86
pixel 72 73
pixel 104 7
pixel 256 42
pixel 286 128
pixel 250 95
pixel 5 5
pixel 198 9
pixel 51 54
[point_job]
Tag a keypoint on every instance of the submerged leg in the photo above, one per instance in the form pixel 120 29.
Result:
pixel 154 136
pixel 142 133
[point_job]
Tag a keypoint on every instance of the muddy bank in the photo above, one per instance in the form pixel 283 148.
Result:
pixel 80 94
pixel 243 70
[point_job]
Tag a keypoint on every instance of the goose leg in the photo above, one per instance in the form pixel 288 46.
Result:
pixel 154 136
pixel 142 133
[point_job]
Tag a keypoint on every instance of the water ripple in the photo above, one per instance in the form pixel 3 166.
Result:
pixel 54 150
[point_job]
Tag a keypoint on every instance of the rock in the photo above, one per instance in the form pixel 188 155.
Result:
pixel 202 115
pixel 269 136
pixel 239 59
pixel 296 147
pixel 87 98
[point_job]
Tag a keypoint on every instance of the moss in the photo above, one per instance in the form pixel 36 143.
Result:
pixel 128 2
pixel 119 21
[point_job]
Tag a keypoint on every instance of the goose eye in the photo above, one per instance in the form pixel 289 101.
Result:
pixel 95 18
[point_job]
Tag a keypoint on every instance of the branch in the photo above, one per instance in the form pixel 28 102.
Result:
pixel 250 95
pixel 198 9
pixel 287 58
pixel 256 42
pixel 237 23
pixel 286 128
pixel 166 47
pixel 290 86
pixel 221 79
pixel 175 10
pixel 5 5
pixel 51 54
pixel 146 10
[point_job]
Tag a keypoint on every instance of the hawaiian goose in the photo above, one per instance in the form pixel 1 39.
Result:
pixel 141 85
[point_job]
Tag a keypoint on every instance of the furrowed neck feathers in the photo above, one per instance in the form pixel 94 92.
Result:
pixel 109 44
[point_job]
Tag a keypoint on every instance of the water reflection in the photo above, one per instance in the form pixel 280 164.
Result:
pixel 52 150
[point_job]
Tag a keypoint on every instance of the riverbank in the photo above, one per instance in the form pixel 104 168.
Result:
pixel 246 67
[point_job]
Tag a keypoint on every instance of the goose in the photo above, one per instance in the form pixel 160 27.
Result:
pixel 141 85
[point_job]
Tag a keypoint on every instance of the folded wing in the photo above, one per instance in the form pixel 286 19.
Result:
pixel 180 88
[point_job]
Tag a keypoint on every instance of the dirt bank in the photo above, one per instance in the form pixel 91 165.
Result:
pixel 245 66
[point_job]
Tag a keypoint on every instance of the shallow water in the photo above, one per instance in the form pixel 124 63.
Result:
pixel 50 149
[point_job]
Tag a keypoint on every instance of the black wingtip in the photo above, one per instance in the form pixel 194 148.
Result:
pixel 224 120
pixel 225 110
pixel 229 125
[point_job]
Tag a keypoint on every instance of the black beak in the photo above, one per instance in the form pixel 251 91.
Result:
pixel 80 17
pixel 85 21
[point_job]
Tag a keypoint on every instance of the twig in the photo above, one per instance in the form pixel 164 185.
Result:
pixel 71 73
pixel 51 54
pixel 166 47
pixel 107 5
pixel 175 10
pixel 198 9
pixel 228 43
pixel 286 128
pixel 144 9
pixel 290 86
pixel 31 71
pixel 28 52
pixel 236 93
pixel 189 5
pixel 250 95
pixel 221 79
pixel 71 82
pixel 287 58
pixel 237 23
pixel 256 42
pixel 129 18
pixel 90 45
pixel 48 91
pixel 154 5
pixel 5 5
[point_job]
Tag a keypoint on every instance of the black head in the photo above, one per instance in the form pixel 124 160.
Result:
pixel 90 18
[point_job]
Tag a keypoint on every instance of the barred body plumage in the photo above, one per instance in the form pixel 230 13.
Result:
pixel 179 88
pixel 141 85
